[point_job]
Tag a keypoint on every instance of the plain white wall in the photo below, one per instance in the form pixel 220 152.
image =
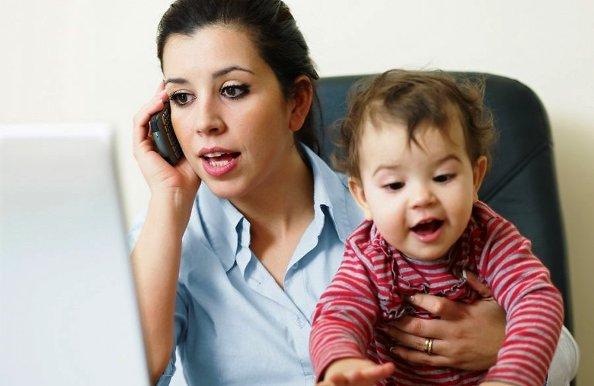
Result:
pixel 73 61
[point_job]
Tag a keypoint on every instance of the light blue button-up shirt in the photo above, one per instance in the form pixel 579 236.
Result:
pixel 234 325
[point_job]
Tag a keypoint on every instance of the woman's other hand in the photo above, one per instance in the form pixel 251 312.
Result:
pixel 160 176
pixel 467 336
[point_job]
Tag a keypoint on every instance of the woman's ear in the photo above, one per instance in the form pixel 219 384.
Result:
pixel 478 174
pixel 300 102
pixel 356 188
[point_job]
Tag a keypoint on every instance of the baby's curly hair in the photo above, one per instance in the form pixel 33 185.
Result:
pixel 415 98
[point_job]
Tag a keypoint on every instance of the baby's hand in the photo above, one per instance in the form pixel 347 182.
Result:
pixel 356 372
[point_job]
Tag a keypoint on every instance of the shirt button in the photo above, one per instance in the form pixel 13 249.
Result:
pixel 300 322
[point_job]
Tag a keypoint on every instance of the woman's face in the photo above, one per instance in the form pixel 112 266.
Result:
pixel 228 110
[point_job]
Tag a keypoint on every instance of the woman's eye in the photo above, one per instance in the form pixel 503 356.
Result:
pixel 181 98
pixel 444 177
pixel 394 186
pixel 235 91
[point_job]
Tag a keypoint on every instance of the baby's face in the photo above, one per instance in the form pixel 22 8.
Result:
pixel 419 196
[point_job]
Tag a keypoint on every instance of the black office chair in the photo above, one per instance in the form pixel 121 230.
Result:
pixel 521 184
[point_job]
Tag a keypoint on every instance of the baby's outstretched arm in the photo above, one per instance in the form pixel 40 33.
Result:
pixel 348 309
pixel 356 372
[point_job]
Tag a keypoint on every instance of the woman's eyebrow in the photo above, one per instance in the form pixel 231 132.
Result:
pixel 176 81
pixel 229 69
pixel 215 75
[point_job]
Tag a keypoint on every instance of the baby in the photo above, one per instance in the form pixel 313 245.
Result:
pixel 417 149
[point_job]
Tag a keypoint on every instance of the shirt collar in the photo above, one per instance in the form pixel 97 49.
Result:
pixel 331 190
pixel 221 219
pixel 219 222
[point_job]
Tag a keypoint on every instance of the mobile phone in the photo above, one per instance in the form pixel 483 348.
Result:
pixel 163 136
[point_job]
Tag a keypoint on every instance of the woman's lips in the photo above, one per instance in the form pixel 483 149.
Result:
pixel 219 163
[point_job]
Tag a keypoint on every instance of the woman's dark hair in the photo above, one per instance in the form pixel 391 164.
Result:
pixel 272 29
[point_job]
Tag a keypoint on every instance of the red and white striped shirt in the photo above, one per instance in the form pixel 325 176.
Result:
pixel 374 278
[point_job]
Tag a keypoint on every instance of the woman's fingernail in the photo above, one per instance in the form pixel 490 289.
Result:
pixel 411 299
pixel 464 275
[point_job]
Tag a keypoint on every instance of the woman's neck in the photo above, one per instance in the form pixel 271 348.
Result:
pixel 282 200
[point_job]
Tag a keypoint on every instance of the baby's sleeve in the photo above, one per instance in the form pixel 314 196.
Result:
pixel 345 315
pixel 521 284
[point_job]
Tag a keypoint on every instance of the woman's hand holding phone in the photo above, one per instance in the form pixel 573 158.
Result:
pixel 179 182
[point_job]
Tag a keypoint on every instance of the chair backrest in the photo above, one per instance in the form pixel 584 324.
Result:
pixel 521 184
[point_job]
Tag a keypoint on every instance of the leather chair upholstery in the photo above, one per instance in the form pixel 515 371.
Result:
pixel 521 184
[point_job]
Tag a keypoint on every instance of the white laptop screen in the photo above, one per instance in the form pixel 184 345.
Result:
pixel 68 311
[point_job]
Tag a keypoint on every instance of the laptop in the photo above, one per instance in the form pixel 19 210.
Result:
pixel 68 312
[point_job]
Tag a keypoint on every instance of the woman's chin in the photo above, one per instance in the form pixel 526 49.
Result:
pixel 229 190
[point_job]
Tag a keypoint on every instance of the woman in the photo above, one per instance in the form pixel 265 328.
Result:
pixel 243 235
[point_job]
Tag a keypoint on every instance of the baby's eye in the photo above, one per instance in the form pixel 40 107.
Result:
pixel 444 177
pixel 235 91
pixel 394 186
pixel 181 98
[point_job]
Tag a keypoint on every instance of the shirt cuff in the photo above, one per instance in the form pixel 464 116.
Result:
pixel 165 378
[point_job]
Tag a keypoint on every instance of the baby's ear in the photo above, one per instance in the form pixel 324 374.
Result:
pixel 478 174
pixel 356 188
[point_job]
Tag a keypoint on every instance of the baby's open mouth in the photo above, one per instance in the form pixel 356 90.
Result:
pixel 427 227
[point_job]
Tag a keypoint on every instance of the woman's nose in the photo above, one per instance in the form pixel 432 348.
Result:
pixel 209 120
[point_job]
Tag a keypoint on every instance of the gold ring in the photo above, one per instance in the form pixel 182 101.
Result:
pixel 428 346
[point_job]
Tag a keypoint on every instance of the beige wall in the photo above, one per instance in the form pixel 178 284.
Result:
pixel 95 61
